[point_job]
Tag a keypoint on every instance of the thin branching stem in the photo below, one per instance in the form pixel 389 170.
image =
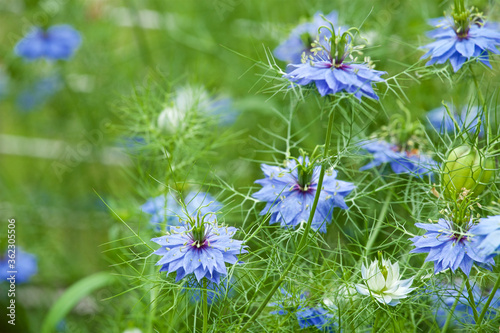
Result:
pixel 205 305
pixel 378 226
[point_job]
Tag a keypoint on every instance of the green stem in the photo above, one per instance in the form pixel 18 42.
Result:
pixel 472 303
pixel 303 240
pixel 205 305
pixel 488 301
pixel 485 106
pixel 171 321
pixel 377 319
pixel 378 226
pixel 152 305
pixel 450 314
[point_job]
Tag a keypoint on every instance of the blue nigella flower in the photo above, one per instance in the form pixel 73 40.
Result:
pixel 463 312
pixel 38 94
pixel 306 316
pixel 301 38
pixel 25 265
pixel 289 193
pixel 467 119
pixel 55 43
pixel 459 44
pixel 331 72
pixel 412 162
pixel 198 247
pixel 488 235
pixel 215 291
pixel 450 248
pixel 166 208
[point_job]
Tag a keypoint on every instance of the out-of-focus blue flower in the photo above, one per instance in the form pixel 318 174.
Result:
pixel 330 69
pixel 24 264
pixel 56 43
pixel 459 46
pixel 215 291
pixel 289 193
pixel 306 316
pixel 488 236
pixel 166 208
pixel 467 119
pixel 450 248
pixel 331 77
pixel 195 100
pixel 198 247
pixel 412 162
pixel 463 312
pixel 38 94
pixel 301 38
pixel 163 208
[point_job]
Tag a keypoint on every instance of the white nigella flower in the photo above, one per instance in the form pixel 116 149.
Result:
pixel 382 281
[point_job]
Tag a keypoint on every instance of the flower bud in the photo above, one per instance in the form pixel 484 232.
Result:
pixel 170 119
pixel 469 169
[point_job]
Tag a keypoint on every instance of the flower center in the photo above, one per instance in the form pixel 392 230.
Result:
pixel 463 18
pixel 199 244
pixel 199 233
pixel 305 177
pixel 381 266
pixel 458 237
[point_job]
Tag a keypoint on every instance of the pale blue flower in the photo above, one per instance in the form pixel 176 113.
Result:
pixel 478 41
pixel 401 161
pixel 467 119
pixel 445 298
pixel 289 196
pixel 450 248
pixel 300 39
pixel 55 43
pixel 331 78
pixel 488 235
pixel 200 248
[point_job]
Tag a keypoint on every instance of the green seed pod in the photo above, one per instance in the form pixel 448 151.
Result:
pixel 468 168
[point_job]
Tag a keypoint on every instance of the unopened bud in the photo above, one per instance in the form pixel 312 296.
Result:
pixel 467 169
